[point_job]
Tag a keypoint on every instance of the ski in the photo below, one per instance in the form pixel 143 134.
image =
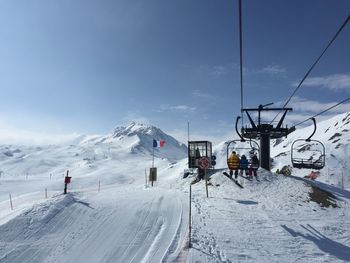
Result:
pixel 247 178
pixel 234 180
pixel 250 178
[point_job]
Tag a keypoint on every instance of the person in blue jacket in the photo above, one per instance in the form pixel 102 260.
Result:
pixel 243 165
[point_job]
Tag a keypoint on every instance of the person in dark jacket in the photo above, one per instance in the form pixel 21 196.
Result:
pixel 253 164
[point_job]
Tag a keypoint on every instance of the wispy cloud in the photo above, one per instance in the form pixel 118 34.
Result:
pixel 21 137
pixel 213 137
pixel 176 108
pixel 202 95
pixel 273 70
pixel 218 71
pixel 312 106
pixel 333 82
pixel 12 134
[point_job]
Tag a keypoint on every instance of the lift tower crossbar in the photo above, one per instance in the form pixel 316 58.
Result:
pixel 264 132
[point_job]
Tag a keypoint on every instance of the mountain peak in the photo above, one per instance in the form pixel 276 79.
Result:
pixel 135 128
pixel 144 135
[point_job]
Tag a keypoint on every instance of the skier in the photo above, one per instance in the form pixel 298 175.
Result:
pixel 200 171
pixel 243 165
pixel 198 153
pixel 254 164
pixel 312 175
pixel 233 163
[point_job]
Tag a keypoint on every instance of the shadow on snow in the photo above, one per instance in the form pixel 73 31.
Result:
pixel 325 244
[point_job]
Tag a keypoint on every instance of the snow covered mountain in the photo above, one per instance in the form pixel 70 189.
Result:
pixel 145 134
pixel 137 138
pixel 90 151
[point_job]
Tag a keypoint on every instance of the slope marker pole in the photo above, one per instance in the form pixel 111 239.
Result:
pixel 206 182
pixel 11 202
pixel 145 177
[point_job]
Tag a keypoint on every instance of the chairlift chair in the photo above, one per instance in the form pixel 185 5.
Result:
pixel 242 146
pixel 307 153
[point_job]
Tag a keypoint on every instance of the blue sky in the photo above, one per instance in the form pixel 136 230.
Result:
pixel 87 66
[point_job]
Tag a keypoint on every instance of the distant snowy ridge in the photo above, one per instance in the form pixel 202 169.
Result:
pixel 90 151
pixel 137 138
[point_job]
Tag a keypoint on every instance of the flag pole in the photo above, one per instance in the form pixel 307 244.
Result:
pixel 188 131
pixel 153 153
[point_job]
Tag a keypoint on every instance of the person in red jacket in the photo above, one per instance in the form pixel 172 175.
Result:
pixel 312 175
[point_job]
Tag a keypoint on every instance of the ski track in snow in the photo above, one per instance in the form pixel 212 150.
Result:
pixel 267 222
pixel 126 227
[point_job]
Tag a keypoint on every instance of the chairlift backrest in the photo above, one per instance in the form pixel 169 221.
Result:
pixel 307 153
pixel 249 148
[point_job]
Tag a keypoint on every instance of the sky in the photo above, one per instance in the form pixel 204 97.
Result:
pixel 85 67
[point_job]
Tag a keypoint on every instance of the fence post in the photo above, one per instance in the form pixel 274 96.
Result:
pixel 11 202
pixel 145 177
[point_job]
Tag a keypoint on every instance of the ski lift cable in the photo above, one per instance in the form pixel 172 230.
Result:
pixel 241 54
pixel 323 111
pixel 314 64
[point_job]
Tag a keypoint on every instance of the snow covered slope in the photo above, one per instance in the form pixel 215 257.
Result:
pixel 274 220
pixel 334 134
pixel 128 225
pixel 110 215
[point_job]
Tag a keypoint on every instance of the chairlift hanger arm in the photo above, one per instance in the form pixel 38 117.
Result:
pixel 314 120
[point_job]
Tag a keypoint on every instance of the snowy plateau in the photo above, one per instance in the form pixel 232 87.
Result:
pixel 111 214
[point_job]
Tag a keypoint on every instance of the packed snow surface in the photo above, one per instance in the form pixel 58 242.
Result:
pixel 111 214
pixel 273 220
